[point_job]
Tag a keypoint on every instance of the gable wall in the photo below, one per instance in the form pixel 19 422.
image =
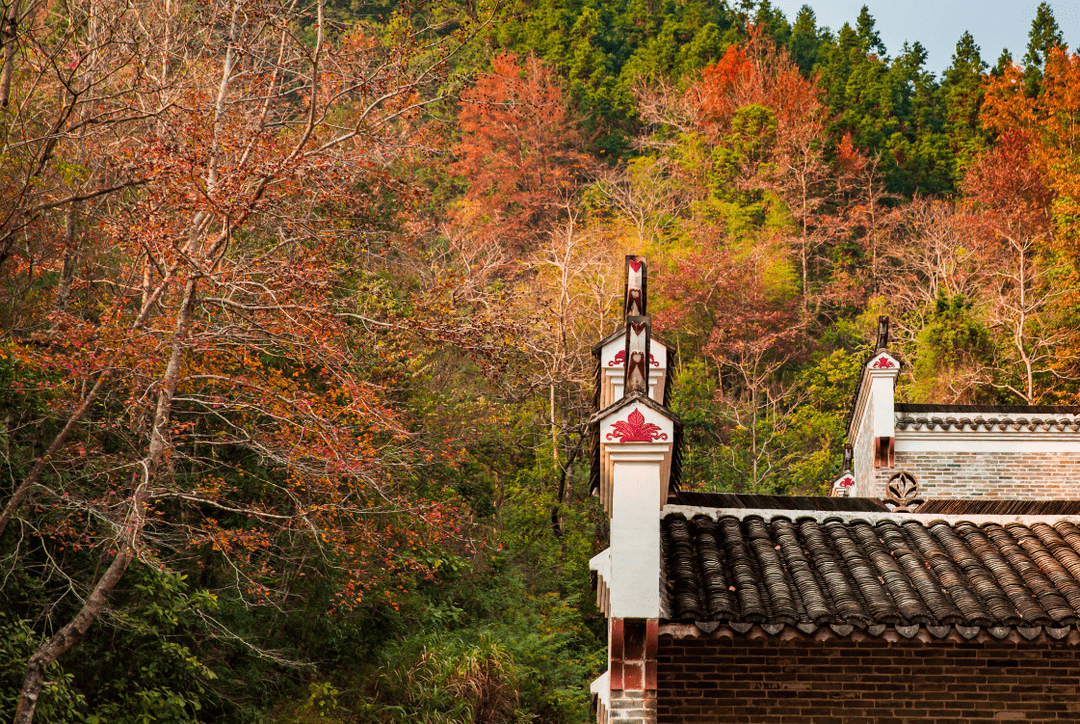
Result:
pixel 720 681
pixel 863 454
pixel 1005 475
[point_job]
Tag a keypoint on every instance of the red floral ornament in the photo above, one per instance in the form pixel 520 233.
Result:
pixel 620 359
pixel 883 363
pixel 635 429
pixel 635 265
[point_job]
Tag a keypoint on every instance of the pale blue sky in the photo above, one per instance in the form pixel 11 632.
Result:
pixel 938 24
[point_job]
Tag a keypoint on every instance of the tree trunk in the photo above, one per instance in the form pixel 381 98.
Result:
pixel 8 33
pixel 68 636
pixel 71 251
pixel 130 529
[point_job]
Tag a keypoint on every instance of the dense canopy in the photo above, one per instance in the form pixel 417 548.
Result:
pixel 297 302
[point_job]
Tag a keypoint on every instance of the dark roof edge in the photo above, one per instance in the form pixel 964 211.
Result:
pixel 1024 409
pixel 922 633
pixel 630 399
pixel 866 516
pixel 785 502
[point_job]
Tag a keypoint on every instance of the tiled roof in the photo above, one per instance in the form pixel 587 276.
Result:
pixel 987 418
pixel 894 571
pixel 988 424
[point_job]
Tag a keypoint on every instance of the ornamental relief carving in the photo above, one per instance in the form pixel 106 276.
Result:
pixel 635 429
pixel 902 494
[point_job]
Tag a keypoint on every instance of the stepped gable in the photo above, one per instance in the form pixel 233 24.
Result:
pixel 872 573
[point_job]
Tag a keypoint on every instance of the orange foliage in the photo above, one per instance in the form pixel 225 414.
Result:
pixel 1050 123
pixel 518 152
pixel 217 309
pixel 759 74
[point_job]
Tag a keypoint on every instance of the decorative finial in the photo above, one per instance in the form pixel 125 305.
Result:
pixel 636 291
pixel 848 457
pixel 638 334
pixel 883 332
pixel 902 493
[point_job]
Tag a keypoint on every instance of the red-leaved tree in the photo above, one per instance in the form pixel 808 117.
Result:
pixel 192 316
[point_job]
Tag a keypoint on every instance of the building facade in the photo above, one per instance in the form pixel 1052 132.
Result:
pixel 939 583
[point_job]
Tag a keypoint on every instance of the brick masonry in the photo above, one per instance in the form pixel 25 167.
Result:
pixel 717 681
pixel 1005 475
pixel 633 707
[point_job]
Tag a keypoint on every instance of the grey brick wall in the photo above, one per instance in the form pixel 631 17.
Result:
pixel 1005 475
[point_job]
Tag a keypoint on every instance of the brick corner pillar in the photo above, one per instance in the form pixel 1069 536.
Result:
pixel 632 670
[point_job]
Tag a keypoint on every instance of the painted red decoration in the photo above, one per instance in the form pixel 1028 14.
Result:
pixel 883 363
pixel 845 482
pixel 635 429
pixel 620 360
pixel 635 265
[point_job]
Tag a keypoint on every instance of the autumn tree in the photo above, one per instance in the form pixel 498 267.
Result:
pixel 518 155
pixel 770 128
pixel 1012 203
pixel 219 311
pixel 752 329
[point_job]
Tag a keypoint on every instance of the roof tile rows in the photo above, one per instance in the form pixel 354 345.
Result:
pixel 1005 424
pixel 896 572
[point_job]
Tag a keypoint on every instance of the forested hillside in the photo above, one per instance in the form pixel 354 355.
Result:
pixel 297 302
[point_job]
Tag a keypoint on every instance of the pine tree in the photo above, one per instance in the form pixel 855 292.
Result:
pixel 869 38
pixel 1045 34
pixel 772 23
pixel 963 93
pixel 1004 62
pixel 805 44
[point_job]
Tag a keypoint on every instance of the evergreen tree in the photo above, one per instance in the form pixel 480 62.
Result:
pixel 805 44
pixel 1045 34
pixel 869 38
pixel 918 145
pixel 962 91
pixel 1004 62
pixel 772 23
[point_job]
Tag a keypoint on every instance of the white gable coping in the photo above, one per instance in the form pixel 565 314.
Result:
pixel 601 688
pixel 660 428
pixel 873 420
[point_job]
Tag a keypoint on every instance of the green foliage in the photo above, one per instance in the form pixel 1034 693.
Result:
pixel 1043 36
pixel 605 51
pixel 963 93
pixel 818 426
pixel 952 341
pixel 143 666
pixel 806 40
pixel 60 701
pixel 694 400
pixel 445 679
